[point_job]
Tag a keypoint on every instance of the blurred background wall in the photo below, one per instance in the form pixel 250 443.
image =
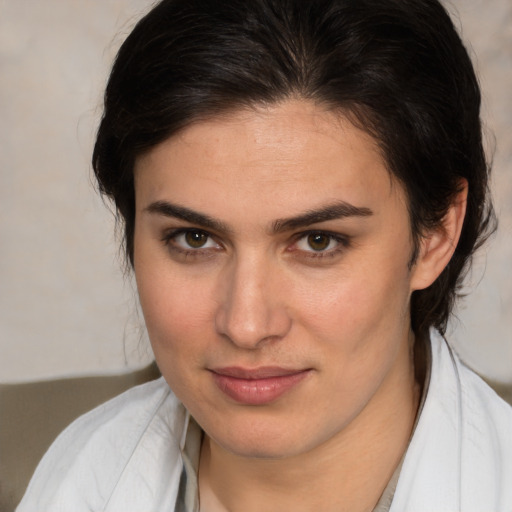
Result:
pixel 65 307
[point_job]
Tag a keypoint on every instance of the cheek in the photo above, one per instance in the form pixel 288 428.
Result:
pixel 176 311
pixel 177 319
pixel 359 305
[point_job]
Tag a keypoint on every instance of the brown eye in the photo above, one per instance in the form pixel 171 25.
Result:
pixel 196 239
pixel 190 241
pixel 318 241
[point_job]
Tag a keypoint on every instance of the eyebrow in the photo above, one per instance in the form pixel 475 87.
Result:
pixel 337 210
pixel 180 212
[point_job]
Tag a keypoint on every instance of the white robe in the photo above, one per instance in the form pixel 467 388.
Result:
pixel 125 456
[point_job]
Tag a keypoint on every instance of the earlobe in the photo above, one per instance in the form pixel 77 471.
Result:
pixel 437 247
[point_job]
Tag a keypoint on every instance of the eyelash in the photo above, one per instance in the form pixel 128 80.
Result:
pixel 342 241
pixel 172 235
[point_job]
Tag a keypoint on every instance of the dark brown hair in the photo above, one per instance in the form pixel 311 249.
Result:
pixel 397 68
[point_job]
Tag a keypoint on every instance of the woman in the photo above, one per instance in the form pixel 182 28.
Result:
pixel 302 185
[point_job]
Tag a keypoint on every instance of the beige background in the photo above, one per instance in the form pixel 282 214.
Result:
pixel 65 307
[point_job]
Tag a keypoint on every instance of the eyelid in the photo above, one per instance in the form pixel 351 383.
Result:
pixel 172 234
pixel 343 242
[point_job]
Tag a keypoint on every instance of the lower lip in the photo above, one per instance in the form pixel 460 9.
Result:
pixel 258 391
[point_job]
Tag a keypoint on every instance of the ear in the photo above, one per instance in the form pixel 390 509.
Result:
pixel 437 247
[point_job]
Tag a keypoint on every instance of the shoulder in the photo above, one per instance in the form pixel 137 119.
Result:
pixel 460 456
pixel 481 399
pixel 486 423
pixel 479 402
pixel 484 415
pixel 106 446
pixel 486 449
pixel 484 419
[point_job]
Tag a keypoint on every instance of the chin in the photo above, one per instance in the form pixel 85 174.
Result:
pixel 262 439
pixel 268 449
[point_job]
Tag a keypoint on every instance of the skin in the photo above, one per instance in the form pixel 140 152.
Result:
pixel 255 291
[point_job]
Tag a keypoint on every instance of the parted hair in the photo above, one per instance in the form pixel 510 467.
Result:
pixel 396 68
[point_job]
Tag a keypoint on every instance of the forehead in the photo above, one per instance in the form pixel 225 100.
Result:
pixel 296 154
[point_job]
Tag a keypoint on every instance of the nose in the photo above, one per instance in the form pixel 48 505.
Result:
pixel 251 311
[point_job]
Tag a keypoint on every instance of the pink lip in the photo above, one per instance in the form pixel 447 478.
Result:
pixel 258 386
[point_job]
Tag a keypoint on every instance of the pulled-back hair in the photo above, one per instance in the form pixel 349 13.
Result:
pixel 395 68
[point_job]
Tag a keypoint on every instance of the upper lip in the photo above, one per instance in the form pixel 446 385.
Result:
pixel 262 372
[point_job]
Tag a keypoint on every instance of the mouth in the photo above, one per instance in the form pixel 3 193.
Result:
pixel 258 386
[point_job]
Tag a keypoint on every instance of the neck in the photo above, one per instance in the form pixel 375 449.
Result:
pixel 349 472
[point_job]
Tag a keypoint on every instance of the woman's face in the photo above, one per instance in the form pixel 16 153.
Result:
pixel 271 257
